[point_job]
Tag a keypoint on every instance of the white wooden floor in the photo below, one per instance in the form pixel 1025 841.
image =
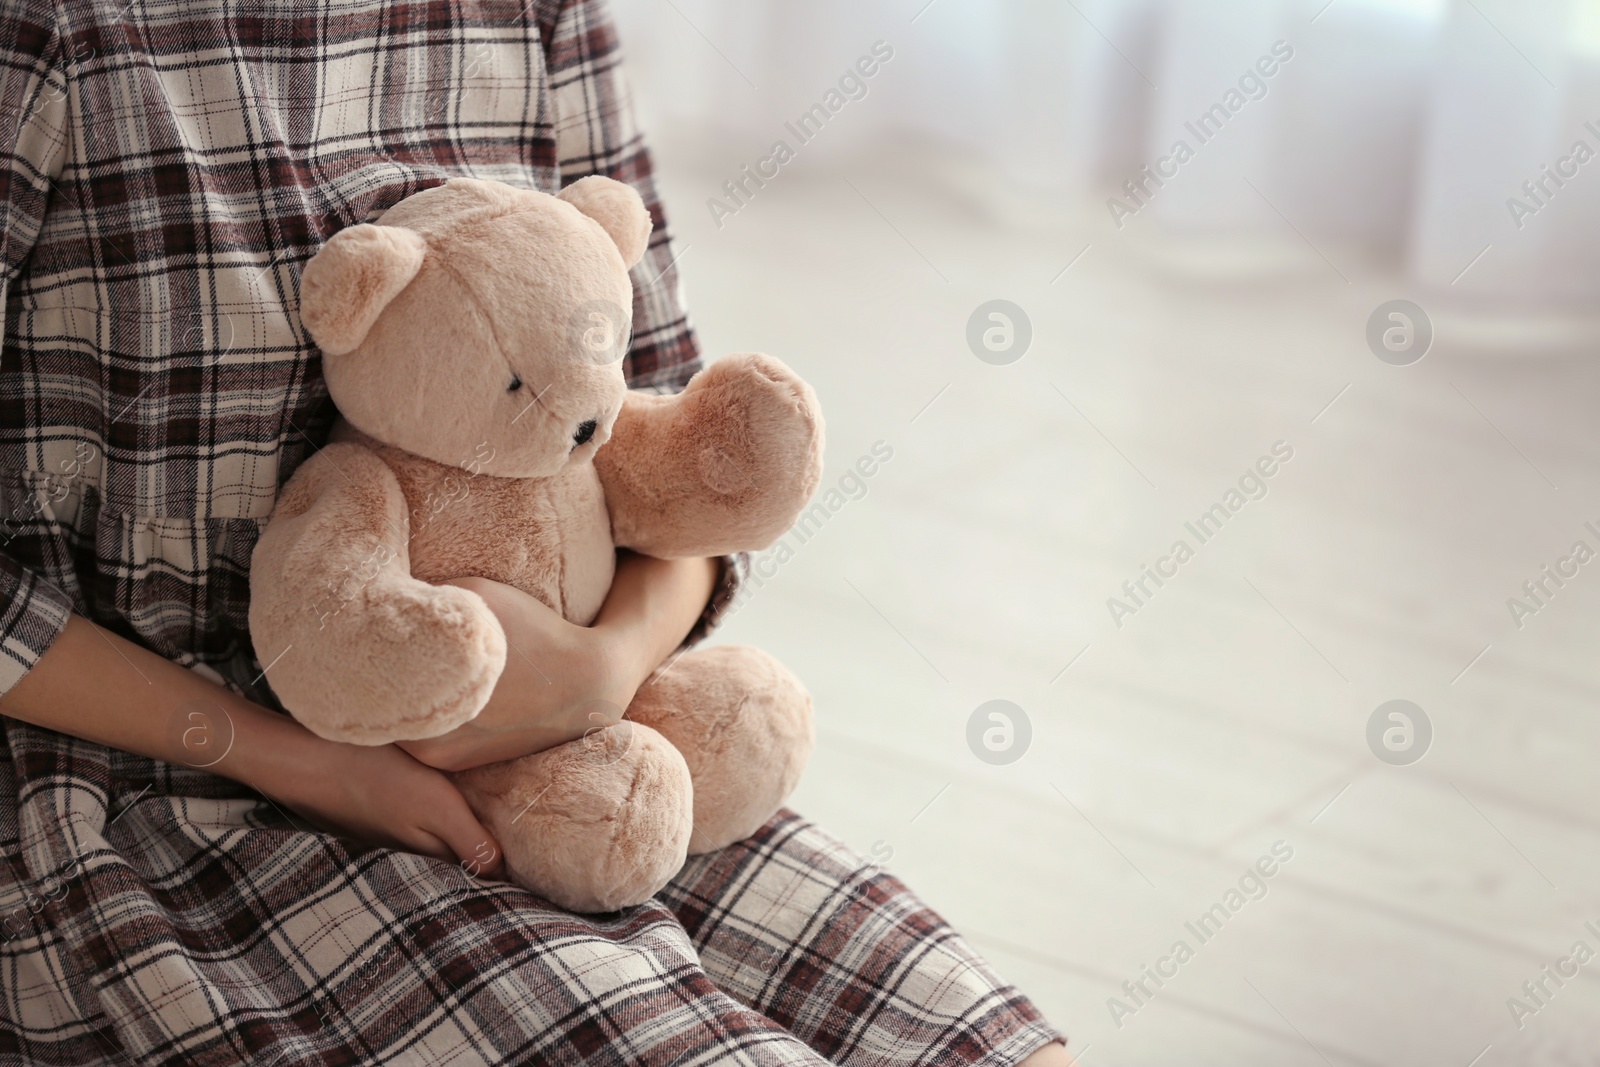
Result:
pixel 1230 712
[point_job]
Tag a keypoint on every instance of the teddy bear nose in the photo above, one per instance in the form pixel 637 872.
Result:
pixel 585 432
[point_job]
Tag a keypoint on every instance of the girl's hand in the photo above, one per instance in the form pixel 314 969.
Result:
pixel 384 796
pixel 562 680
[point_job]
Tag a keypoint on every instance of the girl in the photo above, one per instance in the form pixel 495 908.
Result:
pixel 166 169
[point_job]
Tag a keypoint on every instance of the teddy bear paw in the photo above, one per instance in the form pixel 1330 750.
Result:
pixel 762 427
pixel 416 662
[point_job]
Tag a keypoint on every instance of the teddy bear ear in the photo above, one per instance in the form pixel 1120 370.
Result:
pixel 618 209
pixel 352 279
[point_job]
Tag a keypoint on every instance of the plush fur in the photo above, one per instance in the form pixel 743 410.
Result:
pixel 742 722
pixel 473 342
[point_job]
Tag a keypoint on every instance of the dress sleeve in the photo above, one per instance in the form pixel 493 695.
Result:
pixel 596 133
pixel 33 140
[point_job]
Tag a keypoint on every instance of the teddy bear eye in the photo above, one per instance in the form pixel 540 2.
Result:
pixel 516 383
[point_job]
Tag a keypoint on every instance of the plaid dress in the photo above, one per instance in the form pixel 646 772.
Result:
pixel 167 167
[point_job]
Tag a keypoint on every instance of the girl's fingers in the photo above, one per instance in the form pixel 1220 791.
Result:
pixel 426 844
pixel 474 847
pixel 495 872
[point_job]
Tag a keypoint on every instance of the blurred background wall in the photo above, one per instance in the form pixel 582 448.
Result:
pixel 1342 155
pixel 1401 118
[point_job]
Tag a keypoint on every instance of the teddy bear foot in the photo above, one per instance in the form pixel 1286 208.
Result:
pixel 743 724
pixel 593 825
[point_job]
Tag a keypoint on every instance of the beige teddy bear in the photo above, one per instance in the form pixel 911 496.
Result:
pixel 473 342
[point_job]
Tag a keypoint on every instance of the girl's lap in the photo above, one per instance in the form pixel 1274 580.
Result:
pixel 175 927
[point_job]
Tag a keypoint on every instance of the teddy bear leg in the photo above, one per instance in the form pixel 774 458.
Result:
pixel 743 724
pixel 593 825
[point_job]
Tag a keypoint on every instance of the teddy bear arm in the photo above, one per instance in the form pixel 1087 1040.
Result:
pixel 356 648
pixel 724 466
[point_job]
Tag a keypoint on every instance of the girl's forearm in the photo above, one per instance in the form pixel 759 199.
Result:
pixel 97 686
pixel 562 680
pixel 652 606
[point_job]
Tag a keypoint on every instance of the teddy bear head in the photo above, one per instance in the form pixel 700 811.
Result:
pixel 479 324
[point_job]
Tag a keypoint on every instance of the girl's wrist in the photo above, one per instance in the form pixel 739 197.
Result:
pixel 649 617
pixel 269 752
pixel 617 656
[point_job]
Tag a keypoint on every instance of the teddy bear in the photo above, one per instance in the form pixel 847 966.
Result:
pixel 472 342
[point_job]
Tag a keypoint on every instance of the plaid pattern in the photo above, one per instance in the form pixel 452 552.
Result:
pixel 165 921
pixel 167 167
pixel 844 956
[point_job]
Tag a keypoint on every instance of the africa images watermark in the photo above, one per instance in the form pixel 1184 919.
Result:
pixel 1536 991
pixel 852 86
pixel 852 485
pixel 1252 86
pixel 1252 885
pixel 1252 486
pixel 1539 590
pixel 999 732
pixel 52 488
pixel 1542 189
